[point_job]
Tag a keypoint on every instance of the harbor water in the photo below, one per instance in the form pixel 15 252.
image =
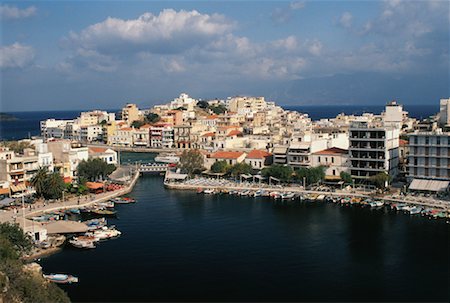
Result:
pixel 183 246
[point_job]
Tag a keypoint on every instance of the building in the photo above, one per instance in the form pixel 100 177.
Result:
pixel 17 170
pixel 122 137
pixel 52 128
pixel 91 133
pixel 106 154
pixel 335 161
pixel 374 149
pixel 231 157
pixel 182 136
pixel 130 113
pixel 258 159
pixel 67 156
pixel 393 115
pixel 161 136
pixel 280 155
pixel 429 155
pixel 444 112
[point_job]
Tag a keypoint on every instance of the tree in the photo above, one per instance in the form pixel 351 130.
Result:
pixel 281 172
pixel 54 184
pixel 191 162
pixel 15 235
pixel 241 168
pixel 346 177
pixel 202 104
pixel 218 109
pixel 220 167
pixel 38 181
pixel 137 123
pixel 152 118
pixel 94 169
pixel 381 180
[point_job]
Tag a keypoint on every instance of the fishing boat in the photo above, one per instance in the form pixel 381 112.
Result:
pixel 374 204
pixel 94 224
pixel 208 191
pixel 61 278
pixel 104 212
pixel 75 211
pixel 258 193
pixel 320 197
pixel 78 243
pixel 287 196
pixel 106 233
pixel 108 204
pixel 415 210
pixel 244 193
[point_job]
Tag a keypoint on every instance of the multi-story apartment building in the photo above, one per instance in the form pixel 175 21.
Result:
pixel 52 128
pixel 90 133
pixel 17 170
pixel 130 113
pixel 182 136
pixel 335 161
pixel 67 156
pixel 444 112
pixel 429 155
pixel 374 148
pixel 162 136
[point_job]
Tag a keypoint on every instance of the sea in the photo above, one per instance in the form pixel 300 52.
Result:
pixel 27 123
pixel 183 246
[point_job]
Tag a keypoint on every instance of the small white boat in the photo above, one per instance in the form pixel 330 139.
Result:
pixel 321 197
pixel 167 158
pixel 415 210
pixel 258 193
pixel 208 191
pixel 87 244
pixel 376 204
pixel 287 196
pixel 61 278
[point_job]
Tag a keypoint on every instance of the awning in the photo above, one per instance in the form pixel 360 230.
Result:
pixel 429 185
pixel 66 227
pixel 246 176
pixel 19 187
pixel 94 185
pixel 67 179
pixel 6 202
pixel 259 177
pixel 4 191
pixel 332 178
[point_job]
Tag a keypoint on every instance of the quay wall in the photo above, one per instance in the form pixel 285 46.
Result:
pixel 388 200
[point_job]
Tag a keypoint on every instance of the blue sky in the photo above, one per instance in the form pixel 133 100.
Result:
pixel 81 55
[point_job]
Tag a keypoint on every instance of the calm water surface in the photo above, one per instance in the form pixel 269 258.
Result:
pixel 181 246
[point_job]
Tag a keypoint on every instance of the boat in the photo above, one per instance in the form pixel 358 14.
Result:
pixel 287 196
pixel 94 224
pixel 374 204
pixel 320 197
pixel 208 191
pixel 78 243
pixel 61 278
pixel 103 212
pixel 124 200
pixel 75 211
pixel 258 193
pixel 415 210
pixel 105 233
pixel 167 158
pixel 108 204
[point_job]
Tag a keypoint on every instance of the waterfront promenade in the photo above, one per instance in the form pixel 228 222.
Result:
pixel 39 207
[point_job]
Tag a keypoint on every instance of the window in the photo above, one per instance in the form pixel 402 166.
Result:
pixel 332 159
pixel 334 172
pixel 319 159
pixel 438 140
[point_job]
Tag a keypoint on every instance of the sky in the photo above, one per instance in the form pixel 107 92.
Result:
pixel 67 55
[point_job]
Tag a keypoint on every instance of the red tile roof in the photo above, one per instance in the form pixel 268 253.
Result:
pixel 209 135
pixel 97 149
pixel 258 154
pixel 332 151
pixel 226 155
pixel 234 132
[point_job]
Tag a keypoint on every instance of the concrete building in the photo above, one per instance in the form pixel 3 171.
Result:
pixel 444 112
pixel 18 170
pixel 52 128
pixel 258 159
pixel 67 156
pixel 182 136
pixel 429 155
pixel 335 160
pixel 374 148
pixel 106 154
pixel 393 115
pixel 231 157
pixel 130 113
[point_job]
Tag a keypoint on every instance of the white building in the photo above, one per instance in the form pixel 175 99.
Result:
pixel 335 160
pixel 106 154
pixel 444 112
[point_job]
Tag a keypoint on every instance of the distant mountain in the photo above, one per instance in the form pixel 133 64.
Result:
pixel 7 117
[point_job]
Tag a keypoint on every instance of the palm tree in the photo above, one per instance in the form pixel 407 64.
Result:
pixel 54 186
pixel 38 181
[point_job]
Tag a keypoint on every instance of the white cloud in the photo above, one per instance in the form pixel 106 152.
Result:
pixel 11 12
pixel 297 5
pixel 315 48
pixel 16 56
pixel 346 20
pixel 169 32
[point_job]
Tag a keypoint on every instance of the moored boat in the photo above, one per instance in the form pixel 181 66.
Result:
pixel 61 278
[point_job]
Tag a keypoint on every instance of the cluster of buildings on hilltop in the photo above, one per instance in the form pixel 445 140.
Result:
pixel 255 131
